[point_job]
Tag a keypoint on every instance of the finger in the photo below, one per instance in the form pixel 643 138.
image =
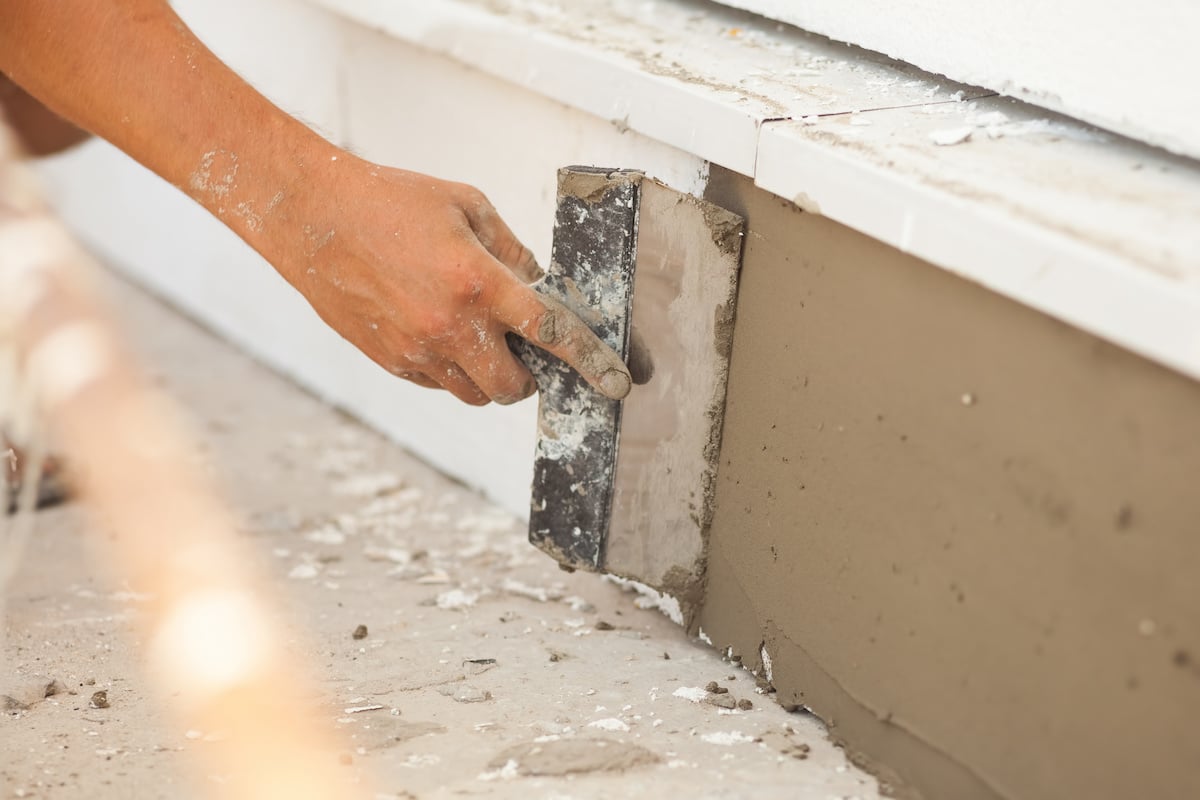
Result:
pixel 499 240
pixel 553 327
pixel 496 371
pixel 454 380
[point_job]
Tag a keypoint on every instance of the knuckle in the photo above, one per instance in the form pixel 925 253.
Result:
pixel 469 281
pixel 476 198
pixel 546 324
pixel 470 196
pixel 469 289
pixel 439 324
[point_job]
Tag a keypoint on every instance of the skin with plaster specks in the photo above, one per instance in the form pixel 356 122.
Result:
pixel 422 275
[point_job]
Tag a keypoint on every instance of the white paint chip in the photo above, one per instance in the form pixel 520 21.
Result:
pixel 727 738
pixel 539 593
pixel 456 599
pixel 610 724
pixel 302 572
pixel 651 598
pixel 693 693
pixel 326 535
pixel 951 136
pixel 368 485
pixel 505 773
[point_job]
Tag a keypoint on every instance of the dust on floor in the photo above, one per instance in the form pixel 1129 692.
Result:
pixel 451 657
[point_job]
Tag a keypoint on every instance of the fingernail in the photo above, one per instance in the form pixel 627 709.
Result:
pixel 615 384
pixel 546 330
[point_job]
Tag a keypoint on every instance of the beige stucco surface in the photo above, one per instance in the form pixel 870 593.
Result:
pixel 965 534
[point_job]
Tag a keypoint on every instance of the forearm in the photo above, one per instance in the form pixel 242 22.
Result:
pixel 132 73
pixel 421 274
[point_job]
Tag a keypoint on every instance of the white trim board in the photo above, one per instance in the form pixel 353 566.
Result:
pixel 1124 66
pixel 1085 226
pixel 701 82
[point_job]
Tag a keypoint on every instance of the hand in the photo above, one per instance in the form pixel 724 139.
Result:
pixel 424 277
pixel 419 274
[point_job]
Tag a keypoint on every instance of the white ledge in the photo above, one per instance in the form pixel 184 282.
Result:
pixel 1092 229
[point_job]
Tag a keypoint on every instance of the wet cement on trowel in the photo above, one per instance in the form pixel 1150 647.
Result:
pixel 959 531
pixel 635 481
pixel 685 286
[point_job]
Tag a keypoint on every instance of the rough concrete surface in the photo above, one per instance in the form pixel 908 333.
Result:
pixel 494 673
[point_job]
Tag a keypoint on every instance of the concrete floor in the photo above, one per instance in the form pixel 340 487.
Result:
pixel 497 674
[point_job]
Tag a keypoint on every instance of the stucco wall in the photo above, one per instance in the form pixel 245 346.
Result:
pixel 963 533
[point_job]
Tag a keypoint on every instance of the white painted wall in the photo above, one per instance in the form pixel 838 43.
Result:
pixel 395 104
pixel 1126 66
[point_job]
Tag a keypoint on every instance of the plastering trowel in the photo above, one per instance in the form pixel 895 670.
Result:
pixel 625 487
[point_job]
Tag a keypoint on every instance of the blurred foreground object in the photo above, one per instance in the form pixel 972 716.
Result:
pixel 64 373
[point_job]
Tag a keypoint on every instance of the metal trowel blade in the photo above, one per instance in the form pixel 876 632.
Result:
pixel 627 487
pixel 591 272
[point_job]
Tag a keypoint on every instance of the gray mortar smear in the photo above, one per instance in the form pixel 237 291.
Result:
pixel 685 285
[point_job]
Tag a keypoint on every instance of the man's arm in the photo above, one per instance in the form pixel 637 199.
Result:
pixel 422 275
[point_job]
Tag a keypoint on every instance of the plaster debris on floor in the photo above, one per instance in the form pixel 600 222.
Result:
pixel 451 658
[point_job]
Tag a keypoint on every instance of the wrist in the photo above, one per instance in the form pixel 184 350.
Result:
pixel 271 191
